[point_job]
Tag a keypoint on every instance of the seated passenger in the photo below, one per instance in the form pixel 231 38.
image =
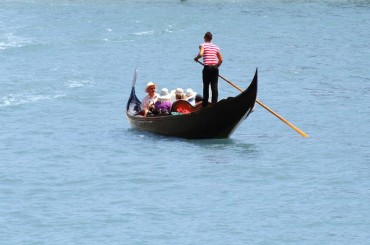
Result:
pixel 163 104
pixel 179 94
pixel 190 96
pixel 149 100
pixel 198 99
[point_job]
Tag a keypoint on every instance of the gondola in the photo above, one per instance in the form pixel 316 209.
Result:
pixel 216 121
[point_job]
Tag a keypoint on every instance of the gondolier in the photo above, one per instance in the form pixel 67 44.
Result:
pixel 212 60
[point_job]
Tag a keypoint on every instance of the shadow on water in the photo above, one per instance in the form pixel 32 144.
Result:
pixel 228 144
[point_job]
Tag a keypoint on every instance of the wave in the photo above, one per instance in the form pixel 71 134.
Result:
pixel 79 83
pixel 10 40
pixel 16 99
pixel 143 33
pixel 21 99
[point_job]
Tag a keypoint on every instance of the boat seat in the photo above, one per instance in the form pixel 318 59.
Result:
pixel 184 107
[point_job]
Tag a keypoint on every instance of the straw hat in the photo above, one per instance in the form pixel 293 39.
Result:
pixel 190 94
pixel 149 84
pixel 164 95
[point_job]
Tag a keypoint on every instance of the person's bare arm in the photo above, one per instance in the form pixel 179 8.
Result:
pixel 219 56
pixel 200 54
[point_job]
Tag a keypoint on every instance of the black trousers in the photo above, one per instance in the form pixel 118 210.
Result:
pixel 210 77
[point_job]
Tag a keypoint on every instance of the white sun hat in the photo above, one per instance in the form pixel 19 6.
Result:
pixel 177 91
pixel 165 95
pixel 190 94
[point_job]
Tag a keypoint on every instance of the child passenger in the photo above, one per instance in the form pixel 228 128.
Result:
pixel 179 94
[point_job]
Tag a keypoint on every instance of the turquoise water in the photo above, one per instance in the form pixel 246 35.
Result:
pixel 72 171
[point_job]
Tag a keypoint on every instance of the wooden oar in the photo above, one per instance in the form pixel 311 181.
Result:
pixel 266 107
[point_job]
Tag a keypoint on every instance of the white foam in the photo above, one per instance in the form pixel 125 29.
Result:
pixel 78 83
pixel 21 99
pixel 143 33
pixel 9 40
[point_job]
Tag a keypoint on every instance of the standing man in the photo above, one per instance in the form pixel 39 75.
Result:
pixel 212 59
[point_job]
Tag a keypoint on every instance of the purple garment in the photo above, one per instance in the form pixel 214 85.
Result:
pixel 163 105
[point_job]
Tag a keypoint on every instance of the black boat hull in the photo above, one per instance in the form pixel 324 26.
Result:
pixel 218 121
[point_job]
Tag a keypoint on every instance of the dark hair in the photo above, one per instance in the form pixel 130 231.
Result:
pixel 198 98
pixel 208 36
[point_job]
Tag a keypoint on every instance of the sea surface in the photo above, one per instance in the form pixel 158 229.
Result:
pixel 73 171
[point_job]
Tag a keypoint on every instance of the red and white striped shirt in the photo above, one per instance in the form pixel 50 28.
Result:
pixel 210 53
